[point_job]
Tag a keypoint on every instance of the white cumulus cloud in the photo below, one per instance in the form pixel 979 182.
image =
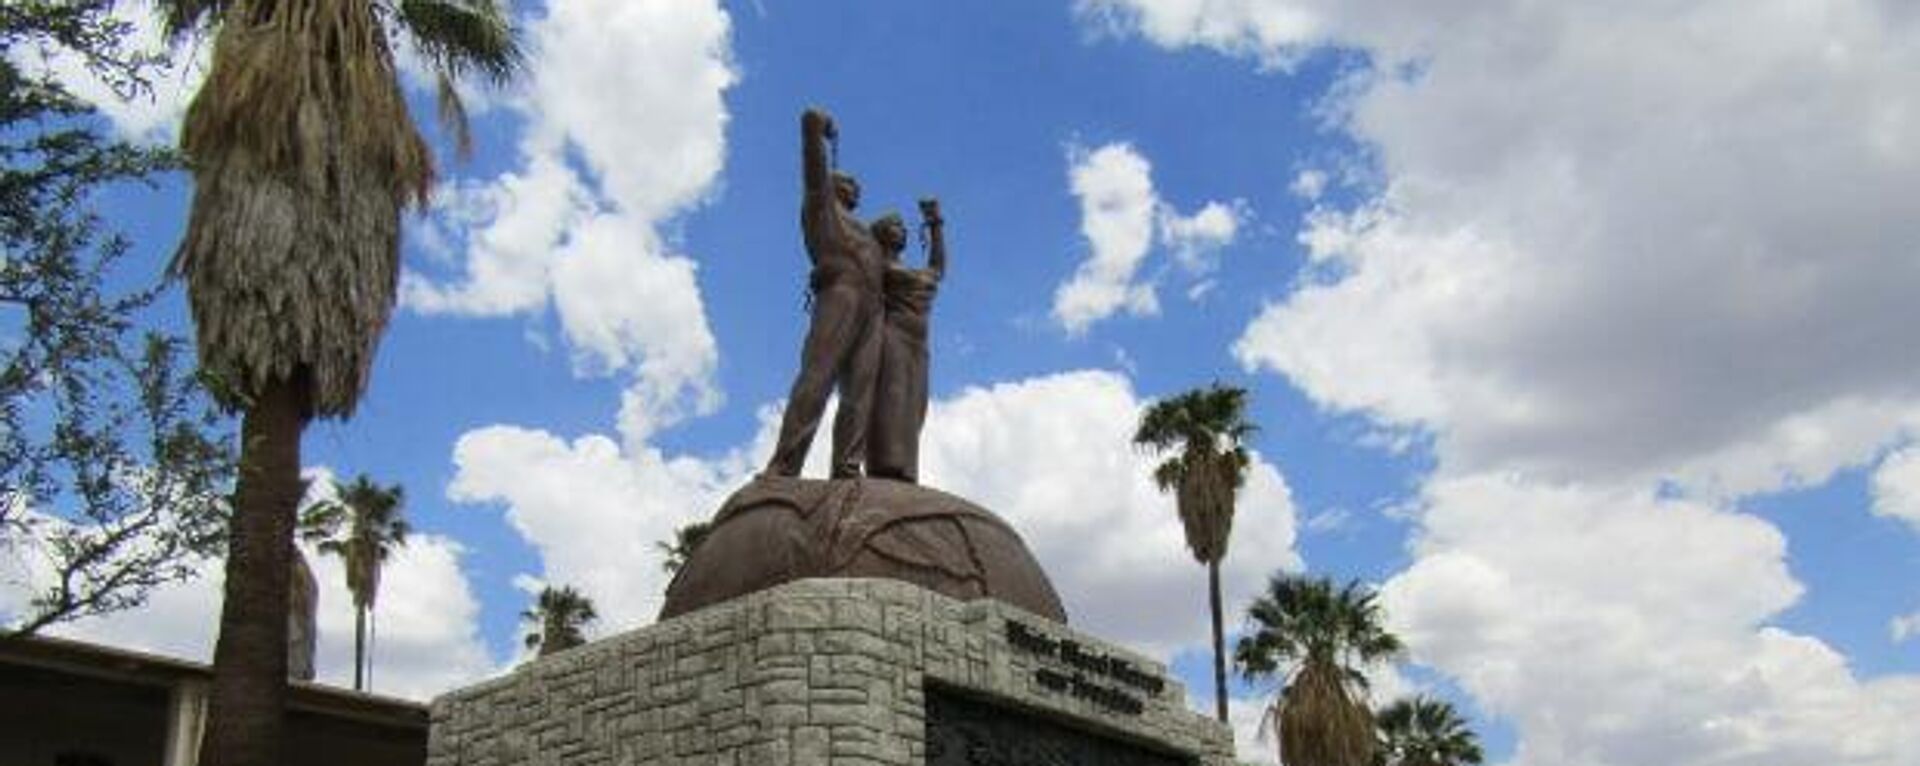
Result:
pixel 1896 487
pixel 1193 237
pixel 515 224
pixel 593 509
pixel 1904 627
pixel 1607 239
pixel 1615 627
pixel 1625 264
pixel 626 131
pixel 1121 217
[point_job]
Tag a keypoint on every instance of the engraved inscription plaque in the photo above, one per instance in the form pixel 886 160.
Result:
pixel 966 732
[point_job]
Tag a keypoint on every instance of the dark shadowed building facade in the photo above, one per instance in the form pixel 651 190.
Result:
pixel 68 703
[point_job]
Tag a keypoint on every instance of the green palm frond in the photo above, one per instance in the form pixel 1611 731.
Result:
pixel 1424 731
pixel 1205 430
pixel 1202 415
pixel 1169 474
pixel 366 525
pixel 319 522
pixel 464 37
pixel 461 37
pixel 560 616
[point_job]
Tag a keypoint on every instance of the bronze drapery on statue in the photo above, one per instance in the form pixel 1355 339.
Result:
pixel 900 397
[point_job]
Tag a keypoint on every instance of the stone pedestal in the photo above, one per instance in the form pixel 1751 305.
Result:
pixel 833 671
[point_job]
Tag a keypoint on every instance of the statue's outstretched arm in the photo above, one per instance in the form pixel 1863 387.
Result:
pixel 936 238
pixel 816 129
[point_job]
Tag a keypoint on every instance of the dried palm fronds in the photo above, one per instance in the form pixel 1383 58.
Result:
pixel 303 155
pixel 1205 502
pixel 1321 723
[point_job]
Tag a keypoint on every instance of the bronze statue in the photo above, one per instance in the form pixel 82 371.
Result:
pixel 843 340
pixel 868 337
pixel 900 397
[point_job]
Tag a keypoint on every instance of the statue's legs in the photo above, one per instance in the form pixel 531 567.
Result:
pixel 844 322
pixel 857 378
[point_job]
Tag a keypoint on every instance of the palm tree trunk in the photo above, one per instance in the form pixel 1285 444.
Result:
pixel 245 715
pixel 359 647
pixel 1219 642
pixel 373 637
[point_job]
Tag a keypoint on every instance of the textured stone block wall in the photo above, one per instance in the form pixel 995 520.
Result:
pixel 812 672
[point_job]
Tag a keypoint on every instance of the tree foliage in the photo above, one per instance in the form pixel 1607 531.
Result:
pixel 373 524
pixel 1424 731
pixel 1206 430
pixel 1317 638
pixel 111 459
pixel 561 616
pixel 685 539
pixel 367 524
pixel 304 155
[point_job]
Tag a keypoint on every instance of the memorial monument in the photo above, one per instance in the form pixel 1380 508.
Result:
pixel 859 619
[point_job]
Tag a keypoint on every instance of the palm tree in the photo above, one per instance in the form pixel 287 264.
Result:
pixel 1423 731
pixel 1321 636
pixel 561 614
pixel 1206 429
pixel 685 539
pixel 317 522
pixel 375 526
pixel 303 155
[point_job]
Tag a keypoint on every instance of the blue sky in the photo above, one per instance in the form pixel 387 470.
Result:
pixel 1582 331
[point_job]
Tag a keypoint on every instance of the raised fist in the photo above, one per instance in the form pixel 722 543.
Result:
pixel 820 117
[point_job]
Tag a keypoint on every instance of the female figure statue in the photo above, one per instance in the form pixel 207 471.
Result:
pixel 900 394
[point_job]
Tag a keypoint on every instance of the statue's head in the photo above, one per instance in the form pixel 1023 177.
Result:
pixel 890 231
pixel 847 189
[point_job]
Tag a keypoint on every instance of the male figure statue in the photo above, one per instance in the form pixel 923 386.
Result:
pixel 843 341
